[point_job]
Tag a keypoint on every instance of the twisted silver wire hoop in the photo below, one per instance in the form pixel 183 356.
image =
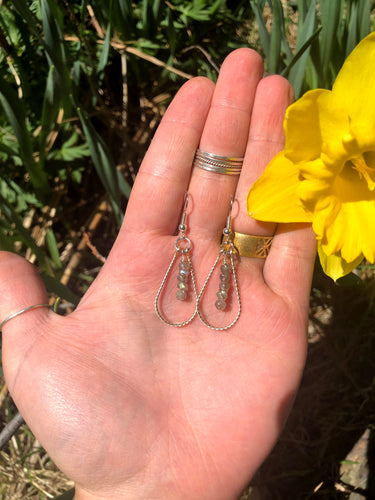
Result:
pixel 199 312
pixel 156 303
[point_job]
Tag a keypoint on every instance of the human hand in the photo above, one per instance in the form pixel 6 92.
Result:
pixel 127 406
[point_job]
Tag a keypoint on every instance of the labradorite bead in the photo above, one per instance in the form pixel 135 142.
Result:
pixel 181 294
pixel 225 268
pixel 182 277
pixel 224 285
pixel 224 277
pixel 220 304
pixel 222 295
pixel 184 272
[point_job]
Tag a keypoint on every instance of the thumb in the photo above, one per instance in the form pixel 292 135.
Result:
pixel 20 288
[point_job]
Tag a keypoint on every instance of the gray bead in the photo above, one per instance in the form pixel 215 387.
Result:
pixel 184 266
pixel 181 294
pixel 184 273
pixel 222 295
pixel 224 286
pixel 224 276
pixel 182 286
pixel 220 304
pixel 225 268
pixel 182 277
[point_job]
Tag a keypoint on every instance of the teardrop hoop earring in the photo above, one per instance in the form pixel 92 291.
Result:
pixel 227 252
pixel 182 246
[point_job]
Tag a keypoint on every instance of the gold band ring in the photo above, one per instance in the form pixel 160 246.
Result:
pixel 248 245
pixel 18 313
pixel 228 165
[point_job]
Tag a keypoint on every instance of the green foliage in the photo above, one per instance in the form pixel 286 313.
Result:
pixel 327 31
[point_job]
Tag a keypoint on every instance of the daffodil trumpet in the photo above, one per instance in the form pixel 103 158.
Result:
pixel 325 174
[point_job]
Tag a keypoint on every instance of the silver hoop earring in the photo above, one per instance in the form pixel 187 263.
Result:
pixel 228 274
pixel 185 274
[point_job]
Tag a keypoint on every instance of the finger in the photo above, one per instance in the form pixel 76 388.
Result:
pixel 21 287
pixel 289 266
pixel 158 192
pixel 266 138
pixel 225 133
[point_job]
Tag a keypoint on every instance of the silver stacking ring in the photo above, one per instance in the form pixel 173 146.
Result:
pixel 18 313
pixel 227 165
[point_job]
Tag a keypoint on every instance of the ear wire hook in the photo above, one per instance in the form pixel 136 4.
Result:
pixel 228 228
pixel 182 226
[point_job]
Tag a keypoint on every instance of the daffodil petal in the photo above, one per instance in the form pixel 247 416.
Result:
pixel 346 223
pixel 335 266
pixel 315 123
pixel 354 86
pixel 323 220
pixel 315 185
pixel 273 197
pixel 352 231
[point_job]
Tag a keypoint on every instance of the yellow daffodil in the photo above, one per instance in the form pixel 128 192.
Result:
pixel 326 173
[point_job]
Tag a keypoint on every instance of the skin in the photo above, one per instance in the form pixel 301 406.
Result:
pixel 127 406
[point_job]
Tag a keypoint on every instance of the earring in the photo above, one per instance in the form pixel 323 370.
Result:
pixel 227 253
pixel 182 247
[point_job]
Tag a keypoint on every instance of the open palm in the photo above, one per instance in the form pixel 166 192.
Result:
pixel 127 406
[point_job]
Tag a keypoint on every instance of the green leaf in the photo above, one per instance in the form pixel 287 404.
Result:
pixel 53 285
pixel 171 32
pixel 15 111
pixel 330 18
pixel 305 32
pixel 77 175
pixel 214 8
pixel 276 37
pixel 123 17
pixel 157 10
pixel 105 53
pixel 51 244
pixel 364 18
pixel 148 20
pixel 352 35
pixel 264 36
pixel 300 52
pixel 70 151
pixel 9 151
pixel 28 16
pixel 198 11
pixel 110 177
pixel 55 46
pixel 50 110
pixel 13 194
pixel 16 224
pixel 6 242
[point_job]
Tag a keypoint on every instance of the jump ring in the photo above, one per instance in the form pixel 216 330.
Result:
pixel 182 250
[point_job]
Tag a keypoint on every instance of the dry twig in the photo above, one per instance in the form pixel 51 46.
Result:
pixel 10 429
